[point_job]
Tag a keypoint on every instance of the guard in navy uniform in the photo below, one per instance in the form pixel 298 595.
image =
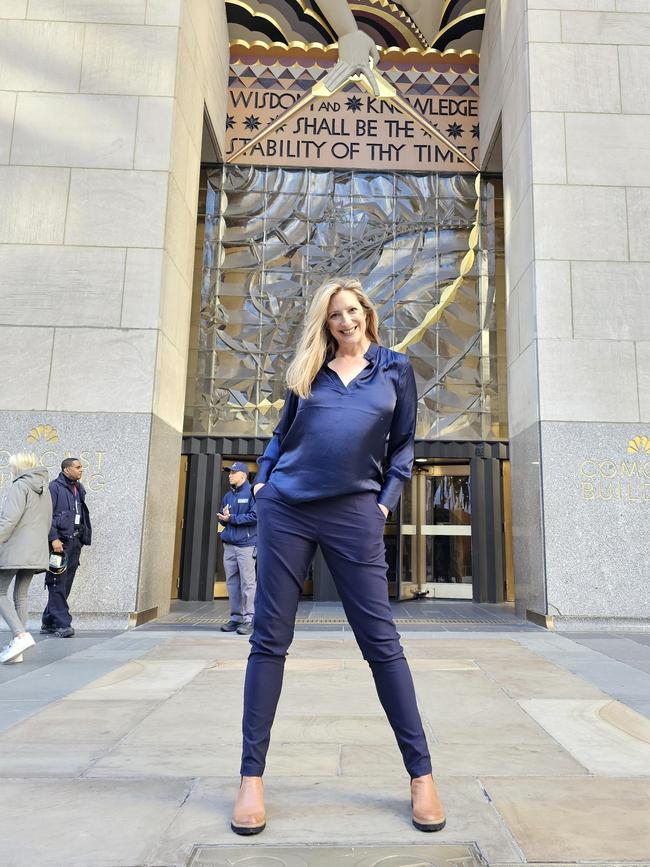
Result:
pixel 239 539
pixel 70 531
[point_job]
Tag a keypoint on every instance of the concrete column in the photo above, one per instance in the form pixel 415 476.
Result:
pixel 101 118
pixel 563 98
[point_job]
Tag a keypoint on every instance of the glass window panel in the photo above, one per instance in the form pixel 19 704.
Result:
pixel 449 559
pixel 447 500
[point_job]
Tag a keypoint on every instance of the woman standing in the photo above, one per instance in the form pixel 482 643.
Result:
pixel 321 483
pixel 25 518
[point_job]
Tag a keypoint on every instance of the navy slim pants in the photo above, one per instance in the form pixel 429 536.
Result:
pixel 350 532
pixel 57 613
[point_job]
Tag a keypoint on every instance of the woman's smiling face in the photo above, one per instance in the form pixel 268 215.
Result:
pixel 346 319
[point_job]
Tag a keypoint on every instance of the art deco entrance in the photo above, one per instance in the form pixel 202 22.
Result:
pixel 436 534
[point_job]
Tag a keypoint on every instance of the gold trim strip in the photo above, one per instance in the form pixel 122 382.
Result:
pixel 449 294
pixel 392 53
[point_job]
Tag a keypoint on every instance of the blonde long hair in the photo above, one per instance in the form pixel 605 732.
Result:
pixel 23 461
pixel 316 340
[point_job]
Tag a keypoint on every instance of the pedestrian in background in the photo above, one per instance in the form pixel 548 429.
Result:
pixel 70 531
pixel 239 539
pixel 25 518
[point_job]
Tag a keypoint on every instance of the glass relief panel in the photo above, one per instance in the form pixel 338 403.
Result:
pixel 272 236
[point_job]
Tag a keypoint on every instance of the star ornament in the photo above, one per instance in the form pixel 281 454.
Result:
pixel 230 121
pixel 475 131
pixel 252 123
pixel 454 130
pixel 353 103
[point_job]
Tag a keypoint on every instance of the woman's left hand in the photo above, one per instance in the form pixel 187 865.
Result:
pixel 384 509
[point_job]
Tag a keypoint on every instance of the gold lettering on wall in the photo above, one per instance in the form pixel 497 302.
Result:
pixel 92 461
pixel 352 129
pixel 618 479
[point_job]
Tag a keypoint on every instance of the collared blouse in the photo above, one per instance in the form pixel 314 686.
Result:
pixel 336 441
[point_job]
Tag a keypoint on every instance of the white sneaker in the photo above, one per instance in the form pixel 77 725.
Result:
pixel 16 647
pixel 18 658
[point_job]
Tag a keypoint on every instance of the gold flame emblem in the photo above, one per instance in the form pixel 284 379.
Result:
pixel 638 445
pixel 43 432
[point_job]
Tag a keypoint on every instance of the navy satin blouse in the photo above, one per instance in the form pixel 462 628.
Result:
pixel 335 442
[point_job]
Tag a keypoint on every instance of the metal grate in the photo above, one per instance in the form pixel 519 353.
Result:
pixel 342 621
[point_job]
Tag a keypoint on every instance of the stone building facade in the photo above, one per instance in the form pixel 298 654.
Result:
pixel 107 111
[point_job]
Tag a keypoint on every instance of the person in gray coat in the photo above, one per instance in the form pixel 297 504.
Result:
pixel 25 519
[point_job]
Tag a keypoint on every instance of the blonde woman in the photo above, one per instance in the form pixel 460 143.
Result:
pixel 25 518
pixel 350 407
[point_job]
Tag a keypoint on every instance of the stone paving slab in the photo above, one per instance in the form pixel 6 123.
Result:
pixel 495 759
pixel 617 679
pixel 189 759
pixel 63 722
pixel 79 823
pixel 49 649
pixel 488 715
pixel 580 819
pixel 140 679
pixel 606 737
pixel 343 810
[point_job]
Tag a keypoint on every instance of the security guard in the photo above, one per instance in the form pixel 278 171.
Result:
pixel 70 531
pixel 239 539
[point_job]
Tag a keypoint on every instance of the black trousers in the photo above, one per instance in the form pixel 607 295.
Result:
pixel 350 532
pixel 57 613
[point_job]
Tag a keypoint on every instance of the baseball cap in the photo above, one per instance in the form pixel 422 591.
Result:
pixel 237 467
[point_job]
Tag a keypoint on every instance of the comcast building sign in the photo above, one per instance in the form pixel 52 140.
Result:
pixel 44 441
pixel 619 478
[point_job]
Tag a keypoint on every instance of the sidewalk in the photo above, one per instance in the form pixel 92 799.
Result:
pixel 124 750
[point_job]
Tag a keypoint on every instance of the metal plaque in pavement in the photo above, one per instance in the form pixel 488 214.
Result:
pixel 432 855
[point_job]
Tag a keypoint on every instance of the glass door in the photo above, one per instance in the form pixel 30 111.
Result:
pixel 436 534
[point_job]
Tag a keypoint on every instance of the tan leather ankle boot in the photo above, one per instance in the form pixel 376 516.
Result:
pixel 248 816
pixel 428 812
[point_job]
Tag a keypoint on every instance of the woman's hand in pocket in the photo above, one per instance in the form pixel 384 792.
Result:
pixel 258 488
pixel 384 509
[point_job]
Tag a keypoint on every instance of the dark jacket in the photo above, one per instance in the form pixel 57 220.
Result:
pixel 241 529
pixel 63 511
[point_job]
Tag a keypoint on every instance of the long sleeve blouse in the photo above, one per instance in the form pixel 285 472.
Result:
pixel 338 440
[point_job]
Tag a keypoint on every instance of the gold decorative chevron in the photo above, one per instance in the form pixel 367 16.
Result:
pixel 449 294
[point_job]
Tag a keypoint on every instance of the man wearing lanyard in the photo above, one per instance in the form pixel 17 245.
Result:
pixel 69 532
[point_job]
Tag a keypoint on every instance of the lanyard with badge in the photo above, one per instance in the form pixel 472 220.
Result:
pixel 77 510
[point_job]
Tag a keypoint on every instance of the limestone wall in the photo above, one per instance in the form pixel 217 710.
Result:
pixel 564 80
pixel 101 119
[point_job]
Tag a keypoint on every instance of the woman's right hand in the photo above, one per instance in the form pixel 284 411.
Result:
pixel 257 488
